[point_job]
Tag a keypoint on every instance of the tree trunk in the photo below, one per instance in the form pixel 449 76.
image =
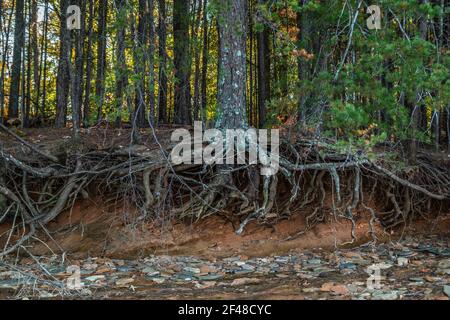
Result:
pixel 101 58
pixel 151 61
pixel 304 42
pixel 182 105
pixel 4 58
pixel 263 71
pixel 196 49
pixel 416 112
pixel 63 76
pixel 76 74
pixel 121 68
pixel 162 88
pixel 204 61
pixel 139 61
pixel 19 39
pixel 232 22
pixel 35 49
pixel 87 92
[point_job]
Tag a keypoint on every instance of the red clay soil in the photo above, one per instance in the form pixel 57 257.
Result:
pixel 88 230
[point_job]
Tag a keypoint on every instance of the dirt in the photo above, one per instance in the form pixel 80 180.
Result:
pixel 88 229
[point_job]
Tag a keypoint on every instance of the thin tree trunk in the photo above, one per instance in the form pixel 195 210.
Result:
pixel 4 60
pixel 101 58
pixel 263 71
pixel 151 61
pixel 121 68
pixel 76 78
pixel 19 39
pixel 162 88
pixel 139 61
pixel 204 62
pixel 182 106
pixel 35 49
pixel 63 76
pixel 196 28
pixel 87 92
pixel 304 42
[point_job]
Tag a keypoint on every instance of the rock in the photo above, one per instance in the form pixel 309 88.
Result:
pixel 90 266
pixel 432 279
pixel 446 290
pixel 311 263
pixel 184 276
pixel 416 279
pixel 402 261
pixel 310 290
pixel 209 277
pixel 340 290
pixel 283 259
pixel 377 295
pixel 95 278
pixel 445 271
pixel 326 287
pixel 248 267
pixel 206 284
pixel 105 270
pixel 435 250
pixel 158 280
pixel 336 289
pixel 347 265
pixel 192 270
pixel 150 271
pixel 124 282
pixel 207 269
pixel 444 264
pixel 245 281
pixel 241 271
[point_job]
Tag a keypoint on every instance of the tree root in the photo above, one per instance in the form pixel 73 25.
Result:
pixel 37 195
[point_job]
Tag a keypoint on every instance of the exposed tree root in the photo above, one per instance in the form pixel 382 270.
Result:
pixel 32 196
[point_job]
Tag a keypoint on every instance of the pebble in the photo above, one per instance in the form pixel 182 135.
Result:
pixel 384 295
pixel 192 270
pixel 446 290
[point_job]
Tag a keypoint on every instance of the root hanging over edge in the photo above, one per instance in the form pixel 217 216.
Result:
pixel 31 196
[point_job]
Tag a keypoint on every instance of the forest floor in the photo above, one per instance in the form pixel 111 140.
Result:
pixel 121 258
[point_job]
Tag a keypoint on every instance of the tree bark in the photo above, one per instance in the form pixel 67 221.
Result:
pixel 101 58
pixel 232 22
pixel 19 39
pixel 139 61
pixel 63 76
pixel 151 61
pixel 304 42
pixel 182 105
pixel 204 62
pixel 263 44
pixel 89 63
pixel 121 68
pixel 162 88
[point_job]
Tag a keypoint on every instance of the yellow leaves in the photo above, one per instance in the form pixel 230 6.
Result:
pixel 302 53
